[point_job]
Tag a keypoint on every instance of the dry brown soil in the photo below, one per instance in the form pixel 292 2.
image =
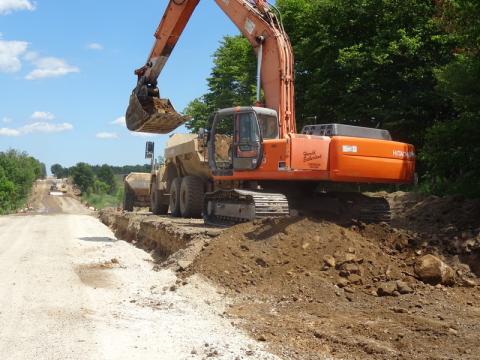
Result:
pixel 304 309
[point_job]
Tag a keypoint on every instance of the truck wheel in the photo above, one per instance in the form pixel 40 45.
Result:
pixel 191 197
pixel 128 199
pixel 175 197
pixel 157 207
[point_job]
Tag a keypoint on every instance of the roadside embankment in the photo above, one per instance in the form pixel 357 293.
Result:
pixel 161 234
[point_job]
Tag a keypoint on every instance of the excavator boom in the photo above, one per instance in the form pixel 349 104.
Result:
pixel 258 22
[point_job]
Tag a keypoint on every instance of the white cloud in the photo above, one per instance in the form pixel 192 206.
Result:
pixel 42 115
pixel 10 52
pixel 6 120
pixel 8 6
pixel 13 52
pixel 119 121
pixel 46 128
pixel 50 67
pixel 106 135
pixel 31 56
pixel 37 127
pixel 95 46
pixel 141 134
pixel 9 132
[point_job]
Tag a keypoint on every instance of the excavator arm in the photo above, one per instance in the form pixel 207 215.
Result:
pixel 259 23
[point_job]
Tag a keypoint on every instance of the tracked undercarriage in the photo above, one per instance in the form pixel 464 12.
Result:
pixel 229 207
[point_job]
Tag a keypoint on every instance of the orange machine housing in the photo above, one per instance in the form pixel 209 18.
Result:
pixel 337 158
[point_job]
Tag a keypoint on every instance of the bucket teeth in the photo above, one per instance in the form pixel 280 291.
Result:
pixel 153 115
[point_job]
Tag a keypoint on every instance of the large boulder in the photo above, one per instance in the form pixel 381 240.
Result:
pixel 432 270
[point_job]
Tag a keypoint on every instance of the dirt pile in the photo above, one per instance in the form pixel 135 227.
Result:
pixel 276 253
pixel 449 225
pixel 308 286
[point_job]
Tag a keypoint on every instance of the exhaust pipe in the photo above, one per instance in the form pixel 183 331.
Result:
pixel 260 40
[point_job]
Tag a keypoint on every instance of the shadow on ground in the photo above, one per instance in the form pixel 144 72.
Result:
pixel 98 239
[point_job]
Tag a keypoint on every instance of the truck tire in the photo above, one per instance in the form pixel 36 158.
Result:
pixel 156 206
pixel 191 197
pixel 128 199
pixel 175 197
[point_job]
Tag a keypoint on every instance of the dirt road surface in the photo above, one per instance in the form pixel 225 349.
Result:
pixel 70 290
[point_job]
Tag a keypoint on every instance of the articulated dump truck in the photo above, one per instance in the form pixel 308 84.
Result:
pixel 180 183
pixel 137 191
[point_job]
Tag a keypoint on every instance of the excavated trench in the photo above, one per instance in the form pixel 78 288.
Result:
pixel 162 235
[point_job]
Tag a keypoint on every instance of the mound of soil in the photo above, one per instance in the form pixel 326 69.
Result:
pixel 310 287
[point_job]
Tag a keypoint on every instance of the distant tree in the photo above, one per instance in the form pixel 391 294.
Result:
pixel 123 170
pixel 58 171
pixel 43 171
pixel 83 176
pixel 106 175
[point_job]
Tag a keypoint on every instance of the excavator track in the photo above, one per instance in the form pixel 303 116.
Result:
pixel 230 207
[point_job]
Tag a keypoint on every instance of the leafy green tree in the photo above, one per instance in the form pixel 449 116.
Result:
pixel 231 83
pixel 452 148
pixel 18 171
pixel 368 63
pixel 59 171
pixel 105 174
pixel 7 192
pixel 124 170
pixel 200 113
pixel 83 176
pixel 43 171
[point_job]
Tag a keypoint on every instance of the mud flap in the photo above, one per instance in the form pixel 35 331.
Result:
pixel 153 115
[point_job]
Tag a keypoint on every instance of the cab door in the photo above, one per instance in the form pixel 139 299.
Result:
pixel 234 142
pixel 247 146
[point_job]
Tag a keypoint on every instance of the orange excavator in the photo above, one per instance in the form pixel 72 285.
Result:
pixel 257 158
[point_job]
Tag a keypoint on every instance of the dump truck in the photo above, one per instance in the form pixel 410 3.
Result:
pixel 177 184
pixel 136 191
pixel 180 183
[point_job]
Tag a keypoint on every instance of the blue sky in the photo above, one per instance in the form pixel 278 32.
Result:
pixel 66 73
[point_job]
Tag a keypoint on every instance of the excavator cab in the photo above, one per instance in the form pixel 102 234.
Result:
pixel 236 136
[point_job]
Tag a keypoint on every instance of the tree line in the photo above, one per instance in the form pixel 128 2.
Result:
pixel 18 172
pixel 411 67
pixel 99 179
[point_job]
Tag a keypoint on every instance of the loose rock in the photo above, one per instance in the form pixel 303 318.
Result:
pixel 432 270
pixel 387 289
pixel 403 288
pixel 329 261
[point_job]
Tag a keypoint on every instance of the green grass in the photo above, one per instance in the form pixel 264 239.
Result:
pixel 102 201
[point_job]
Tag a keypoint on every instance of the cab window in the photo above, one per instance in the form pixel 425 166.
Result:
pixel 268 126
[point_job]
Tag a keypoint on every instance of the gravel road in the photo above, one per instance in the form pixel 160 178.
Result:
pixel 70 290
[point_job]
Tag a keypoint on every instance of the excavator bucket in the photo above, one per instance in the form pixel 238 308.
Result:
pixel 153 115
